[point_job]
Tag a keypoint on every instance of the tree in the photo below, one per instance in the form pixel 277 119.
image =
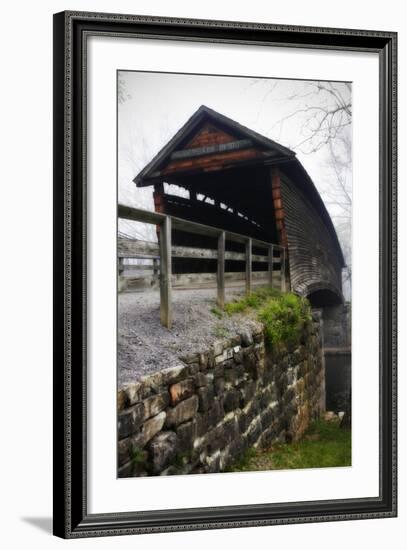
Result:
pixel 324 111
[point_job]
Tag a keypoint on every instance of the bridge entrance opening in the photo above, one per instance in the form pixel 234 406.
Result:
pixel 324 298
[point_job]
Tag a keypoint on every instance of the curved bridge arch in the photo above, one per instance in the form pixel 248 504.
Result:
pixel 323 294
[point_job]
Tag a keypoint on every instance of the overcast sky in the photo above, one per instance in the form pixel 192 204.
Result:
pixel 153 106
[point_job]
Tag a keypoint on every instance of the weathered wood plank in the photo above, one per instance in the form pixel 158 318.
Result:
pixel 139 215
pixel 156 267
pixel 184 278
pixel 138 267
pixel 283 271
pixel 271 264
pixel 197 280
pixel 146 216
pixel 221 270
pixel 248 266
pixel 137 249
pixel 213 161
pixel 165 274
pixel 209 149
pixel 149 250
pixel 120 266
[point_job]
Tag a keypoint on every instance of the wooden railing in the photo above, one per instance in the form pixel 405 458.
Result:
pixel 165 251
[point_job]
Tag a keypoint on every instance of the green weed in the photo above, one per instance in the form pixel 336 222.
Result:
pixel 283 315
pixel 325 445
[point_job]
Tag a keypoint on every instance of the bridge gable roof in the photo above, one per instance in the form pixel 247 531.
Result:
pixel 210 134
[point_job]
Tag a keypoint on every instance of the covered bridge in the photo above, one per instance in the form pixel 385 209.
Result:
pixel 238 180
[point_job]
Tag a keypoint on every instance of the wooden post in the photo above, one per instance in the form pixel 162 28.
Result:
pixel 165 273
pixel 155 270
pixel 283 270
pixel 271 265
pixel 121 266
pixel 221 270
pixel 248 266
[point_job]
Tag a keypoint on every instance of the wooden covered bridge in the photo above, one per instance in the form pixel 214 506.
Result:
pixel 247 209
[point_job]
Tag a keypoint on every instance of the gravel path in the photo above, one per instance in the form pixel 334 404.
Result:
pixel 145 346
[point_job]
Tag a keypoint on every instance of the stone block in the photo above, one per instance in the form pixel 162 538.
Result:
pixel 155 404
pixel 268 373
pixel 218 371
pixel 259 351
pixel 267 418
pixel 181 390
pixel 289 395
pixel 218 347
pixel 281 384
pixel 216 412
pixel 162 449
pixel 212 463
pixel 254 432
pixel 200 380
pixel 250 364
pixel 246 338
pixel 123 451
pixel 193 369
pixel 185 410
pixel 221 358
pixel 186 434
pixel 237 447
pixel 238 356
pixel 159 380
pixel 231 400
pixel 216 439
pixel 252 409
pixel 234 375
pixel 231 377
pixel 231 429
pixel 202 424
pixel 122 401
pixel 152 426
pixel 203 360
pixel 206 396
pixel 247 392
pixel 243 422
pixel 267 397
pixel 219 386
pixel 130 420
pixel 226 460
pixel 211 359
pixel 135 392
pixel 126 447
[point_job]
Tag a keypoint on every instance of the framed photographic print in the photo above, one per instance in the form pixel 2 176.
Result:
pixel 224 274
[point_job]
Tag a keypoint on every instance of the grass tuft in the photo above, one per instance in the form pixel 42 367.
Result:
pixel 283 315
pixel 325 445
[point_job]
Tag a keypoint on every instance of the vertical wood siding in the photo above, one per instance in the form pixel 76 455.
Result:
pixel 313 257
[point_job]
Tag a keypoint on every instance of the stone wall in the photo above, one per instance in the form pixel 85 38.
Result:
pixel 337 326
pixel 204 414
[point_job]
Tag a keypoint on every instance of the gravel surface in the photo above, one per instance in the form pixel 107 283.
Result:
pixel 145 346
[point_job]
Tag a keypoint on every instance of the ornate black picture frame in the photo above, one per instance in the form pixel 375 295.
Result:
pixel 71 517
